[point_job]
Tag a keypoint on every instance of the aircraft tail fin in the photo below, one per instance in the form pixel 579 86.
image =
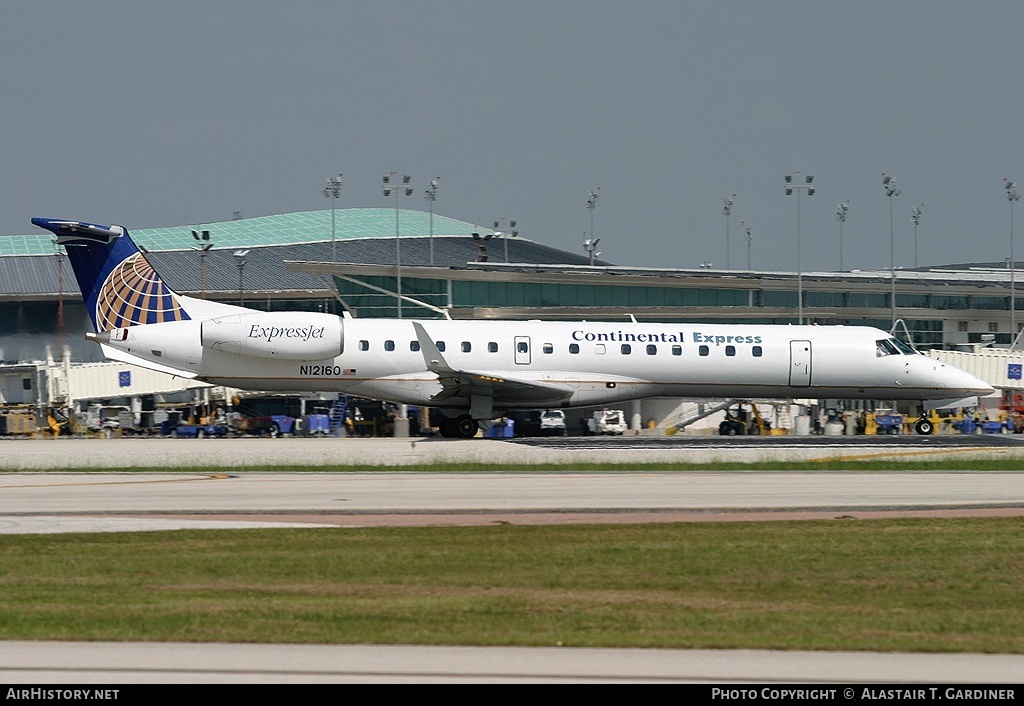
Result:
pixel 119 285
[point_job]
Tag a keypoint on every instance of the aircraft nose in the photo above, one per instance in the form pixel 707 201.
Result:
pixel 961 380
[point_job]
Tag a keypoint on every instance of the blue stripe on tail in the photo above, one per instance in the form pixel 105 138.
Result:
pixel 118 284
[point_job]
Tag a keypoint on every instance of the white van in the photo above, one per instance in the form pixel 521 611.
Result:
pixel 607 421
pixel 552 423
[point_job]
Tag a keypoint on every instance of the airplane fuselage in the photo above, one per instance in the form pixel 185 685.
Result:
pixel 573 364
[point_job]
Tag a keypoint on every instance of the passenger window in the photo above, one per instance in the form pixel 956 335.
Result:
pixel 440 345
pixel 574 348
pixel 704 350
pixel 364 345
pixel 730 350
pixel 626 349
pixel 548 348
pixel 467 346
pixel 523 347
pixel 756 350
pixel 492 347
pixel 414 346
pixel 652 349
pixel 599 349
pixel 677 350
pixel 389 345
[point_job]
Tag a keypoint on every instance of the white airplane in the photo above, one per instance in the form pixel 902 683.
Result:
pixel 475 370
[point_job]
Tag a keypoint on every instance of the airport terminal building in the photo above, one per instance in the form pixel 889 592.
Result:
pixel 351 260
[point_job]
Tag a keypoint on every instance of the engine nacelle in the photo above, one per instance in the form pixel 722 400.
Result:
pixel 278 335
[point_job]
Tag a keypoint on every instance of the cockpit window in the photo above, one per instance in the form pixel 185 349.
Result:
pixel 892 346
pixel 885 347
pixel 904 348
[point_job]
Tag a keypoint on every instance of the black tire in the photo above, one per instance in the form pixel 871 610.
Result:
pixel 465 427
pixel 275 431
pixel 924 427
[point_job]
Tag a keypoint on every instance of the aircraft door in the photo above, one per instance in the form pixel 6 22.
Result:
pixel 522 344
pixel 799 363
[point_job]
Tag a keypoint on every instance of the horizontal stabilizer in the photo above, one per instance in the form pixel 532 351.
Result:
pixel 114 354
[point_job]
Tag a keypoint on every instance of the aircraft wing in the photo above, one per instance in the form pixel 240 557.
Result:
pixel 467 383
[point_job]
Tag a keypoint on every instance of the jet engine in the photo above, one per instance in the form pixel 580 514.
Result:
pixel 275 335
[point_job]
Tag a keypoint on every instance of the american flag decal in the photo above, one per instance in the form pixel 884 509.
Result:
pixel 348 371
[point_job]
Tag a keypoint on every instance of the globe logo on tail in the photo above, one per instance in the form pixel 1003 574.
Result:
pixel 134 294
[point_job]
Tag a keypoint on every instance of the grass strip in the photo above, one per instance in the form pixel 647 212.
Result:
pixel 917 585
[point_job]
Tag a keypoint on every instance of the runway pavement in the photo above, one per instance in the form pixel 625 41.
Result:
pixel 39 498
pixel 148 663
pixel 46 502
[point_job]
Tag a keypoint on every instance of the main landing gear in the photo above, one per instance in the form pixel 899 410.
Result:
pixel 461 427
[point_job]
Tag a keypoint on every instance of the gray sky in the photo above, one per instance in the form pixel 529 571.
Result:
pixel 158 114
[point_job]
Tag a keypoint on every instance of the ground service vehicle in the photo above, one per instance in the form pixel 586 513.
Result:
pixel 607 421
pixel 552 423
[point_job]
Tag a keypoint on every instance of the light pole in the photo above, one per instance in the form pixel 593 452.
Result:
pixel 431 195
pixel 750 239
pixel 1012 195
pixel 591 205
pixel 791 186
pixel 727 211
pixel 915 218
pixel 391 184
pixel 889 184
pixel 590 245
pixel 240 256
pixel 505 233
pixel 203 239
pixel 60 288
pixel 332 191
pixel 481 246
pixel 841 217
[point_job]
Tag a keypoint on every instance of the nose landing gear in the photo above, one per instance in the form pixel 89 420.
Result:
pixel 924 427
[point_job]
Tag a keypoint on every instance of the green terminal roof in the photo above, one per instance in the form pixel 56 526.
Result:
pixel 284 229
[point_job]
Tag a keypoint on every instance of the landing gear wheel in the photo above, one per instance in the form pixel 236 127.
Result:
pixel 447 428
pixel 465 426
pixel 924 427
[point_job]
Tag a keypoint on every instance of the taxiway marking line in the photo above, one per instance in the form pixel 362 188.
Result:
pixel 214 476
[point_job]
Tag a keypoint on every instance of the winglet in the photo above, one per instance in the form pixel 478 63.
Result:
pixel 432 357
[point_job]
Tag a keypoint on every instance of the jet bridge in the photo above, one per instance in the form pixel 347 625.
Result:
pixel 999 367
